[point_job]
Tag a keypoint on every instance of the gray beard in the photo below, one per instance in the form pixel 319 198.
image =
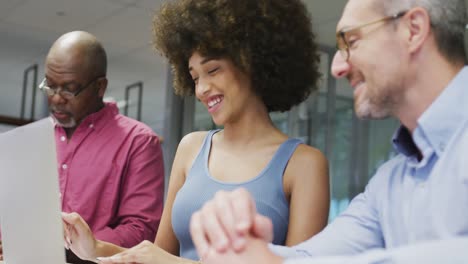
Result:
pixel 69 124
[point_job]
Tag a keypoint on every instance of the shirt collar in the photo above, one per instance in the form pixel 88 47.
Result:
pixel 403 142
pixel 439 122
pixel 444 116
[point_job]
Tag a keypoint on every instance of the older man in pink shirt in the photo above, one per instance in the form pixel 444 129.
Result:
pixel 111 174
pixel 110 166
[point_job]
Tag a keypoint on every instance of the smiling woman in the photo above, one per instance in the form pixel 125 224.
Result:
pixel 277 52
pixel 242 59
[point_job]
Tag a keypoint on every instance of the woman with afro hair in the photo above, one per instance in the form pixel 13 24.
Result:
pixel 242 59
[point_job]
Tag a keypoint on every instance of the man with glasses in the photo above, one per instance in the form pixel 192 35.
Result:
pixel 110 166
pixel 406 59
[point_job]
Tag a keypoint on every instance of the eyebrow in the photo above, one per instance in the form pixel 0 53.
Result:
pixel 205 60
pixel 65 84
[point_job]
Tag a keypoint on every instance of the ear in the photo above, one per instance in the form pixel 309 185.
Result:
pixel 102 84
pixel 418 25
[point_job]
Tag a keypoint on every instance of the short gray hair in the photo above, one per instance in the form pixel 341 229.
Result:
pixel 448 21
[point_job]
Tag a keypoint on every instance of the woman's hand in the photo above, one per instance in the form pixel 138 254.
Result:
pixel 256 252
pixel 78 236
pixel 144 253
pixel 225 221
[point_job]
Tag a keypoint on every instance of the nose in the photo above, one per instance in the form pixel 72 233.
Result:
pixel 202 88
pixel 340 67
pixel 56 99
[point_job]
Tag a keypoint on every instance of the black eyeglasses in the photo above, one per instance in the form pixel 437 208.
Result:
pixel 343 45
pixel 64 92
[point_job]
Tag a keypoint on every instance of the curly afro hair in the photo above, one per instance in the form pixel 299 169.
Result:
pixel 270 40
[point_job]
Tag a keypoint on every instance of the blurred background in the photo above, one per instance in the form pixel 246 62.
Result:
pixel 326 120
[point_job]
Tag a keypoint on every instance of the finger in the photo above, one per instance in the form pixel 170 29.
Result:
pixel 244 209
pixel 198 235
pixel 212 227
pixel 104 260
pixel 124 257
pixel 75 224
pixel 225 214
pixel 132 255
pixel 210 256
pixel 66 234
pixel 73 220
pixel 68 218
pixel 263 228
pixel 109 260
pixel 65 240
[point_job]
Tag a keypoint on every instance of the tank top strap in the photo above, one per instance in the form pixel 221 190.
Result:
pixel 199 162
pixel 283 155
pixel 206 149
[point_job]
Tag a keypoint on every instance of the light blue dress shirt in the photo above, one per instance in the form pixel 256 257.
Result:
pixel 408 201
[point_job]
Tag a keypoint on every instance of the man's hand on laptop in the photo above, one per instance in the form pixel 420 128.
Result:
pixel 78 236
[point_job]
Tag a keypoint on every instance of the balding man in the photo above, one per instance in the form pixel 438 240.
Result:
pixel 110 166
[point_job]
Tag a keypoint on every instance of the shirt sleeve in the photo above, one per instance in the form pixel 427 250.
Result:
pixel 141 195
pixel 451 250
pixel 357 229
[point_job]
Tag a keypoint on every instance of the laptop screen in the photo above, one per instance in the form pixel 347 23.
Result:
pixel 29 196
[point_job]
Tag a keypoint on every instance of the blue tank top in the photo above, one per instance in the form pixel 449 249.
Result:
pixel 266 188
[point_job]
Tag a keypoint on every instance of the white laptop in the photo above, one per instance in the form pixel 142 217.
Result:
pixel 31 225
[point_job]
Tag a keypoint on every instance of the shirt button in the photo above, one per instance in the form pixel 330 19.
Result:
pixel 63 138
pixel 64 166
pixel 91 126
pixel 422 185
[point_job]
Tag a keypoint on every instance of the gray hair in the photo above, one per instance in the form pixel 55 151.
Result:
pixel 448 21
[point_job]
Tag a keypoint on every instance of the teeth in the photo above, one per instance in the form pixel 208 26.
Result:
pixel 214 102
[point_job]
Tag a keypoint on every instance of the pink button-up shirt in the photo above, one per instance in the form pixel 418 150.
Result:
pixel 111 173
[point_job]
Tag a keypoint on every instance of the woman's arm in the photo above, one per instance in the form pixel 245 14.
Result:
pixel 306 183
pixel 165 248
pixel 185 155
